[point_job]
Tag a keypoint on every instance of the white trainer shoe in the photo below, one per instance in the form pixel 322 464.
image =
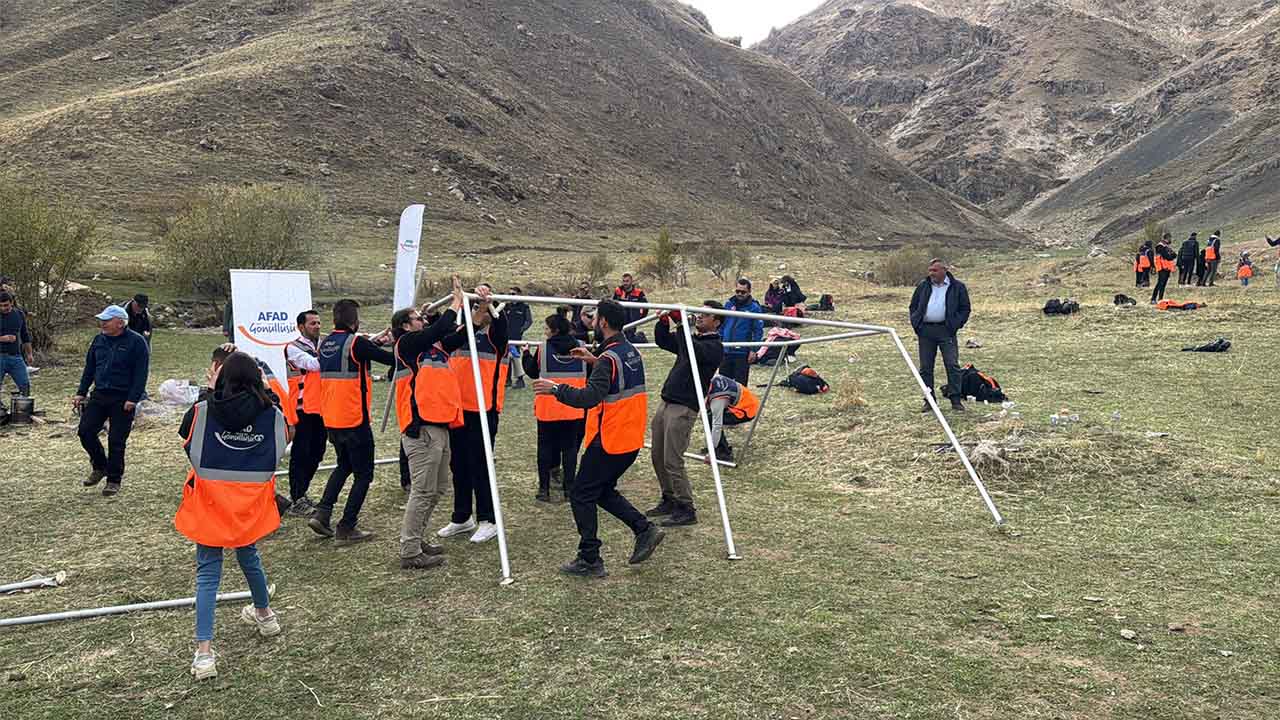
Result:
pixel 204 666
pixel 454 528
pixel 267 626
pixel 487 531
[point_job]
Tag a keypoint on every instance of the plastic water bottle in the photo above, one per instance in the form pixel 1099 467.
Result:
pixel 1115 416
pixel 1053 419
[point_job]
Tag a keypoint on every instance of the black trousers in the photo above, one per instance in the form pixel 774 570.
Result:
pixel 933 337
pixel 1143 278
pixel 736 367
pixel 354 449
pixel 470 473
pixel 558 442
pixel 1162 279
pixel 1185 272
pixel 309 443
pixel 97 410
pixel 1211 271
pixel 597 485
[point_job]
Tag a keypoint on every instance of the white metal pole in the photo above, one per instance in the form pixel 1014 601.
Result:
pixel 751 432
pixel 706 431
pixel 488 446
pixel 955 443
pixel 391 394
pixel 696 456
pixel 52 581
pixel 384 461
pixel 121 609
pixel 805 341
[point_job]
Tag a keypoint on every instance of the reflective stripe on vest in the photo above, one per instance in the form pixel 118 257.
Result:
pixel 345 387
pixel 229 497
pixel 492 372
pixel 621 417
pixel 571 372
pixel 304 386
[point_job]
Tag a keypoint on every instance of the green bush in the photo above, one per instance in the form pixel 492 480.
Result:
pixel 256 228
pixel 726 260
pixel 904 267
pixel 1153 231
pixel 43 243
pixel 599 267
pixel 663 263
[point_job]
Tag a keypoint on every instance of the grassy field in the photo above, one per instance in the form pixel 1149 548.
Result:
pixel 873 583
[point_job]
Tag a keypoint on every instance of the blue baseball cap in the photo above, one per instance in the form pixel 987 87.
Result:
pixel 113 312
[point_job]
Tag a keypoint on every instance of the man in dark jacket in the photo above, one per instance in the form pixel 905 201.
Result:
pixel 939 308
pixel 737 360
pixel 116 367
pixel 519 319
pixel 1187 254
pixel 679 409
pixel 628 291
pixel 15 344
pixel 139 317
pixel 1163 266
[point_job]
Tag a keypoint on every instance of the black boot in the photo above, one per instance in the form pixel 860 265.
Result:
pixel 544 491
pixel 683 515
pixel 665 507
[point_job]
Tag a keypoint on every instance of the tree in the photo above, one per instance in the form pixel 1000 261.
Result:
pixel 225 227
pixel 599 266
pixel 663 262
pixel 44 243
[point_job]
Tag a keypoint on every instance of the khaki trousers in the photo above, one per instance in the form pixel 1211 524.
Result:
pixel 670 436
pixel 428 472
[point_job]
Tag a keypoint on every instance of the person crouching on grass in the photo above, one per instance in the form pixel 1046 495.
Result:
pixel 234 440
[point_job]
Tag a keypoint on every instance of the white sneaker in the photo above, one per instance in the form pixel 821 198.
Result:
pixel 267 626
pixel 204 666
pixel 487 531
pixel 454 528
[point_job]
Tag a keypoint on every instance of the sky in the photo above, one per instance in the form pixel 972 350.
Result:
pixel 751 18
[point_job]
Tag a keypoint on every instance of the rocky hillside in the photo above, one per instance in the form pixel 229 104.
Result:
pixel 525 114
pixel 1047 111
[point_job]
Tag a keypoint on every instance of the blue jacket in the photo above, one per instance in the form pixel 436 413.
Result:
pixel 116 365
pixel 741 329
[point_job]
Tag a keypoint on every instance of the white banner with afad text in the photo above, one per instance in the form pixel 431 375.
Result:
pixel 265 305
pixel 407 245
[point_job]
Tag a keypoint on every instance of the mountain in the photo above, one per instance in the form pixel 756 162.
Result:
pixel 1075 119
pixel 534 115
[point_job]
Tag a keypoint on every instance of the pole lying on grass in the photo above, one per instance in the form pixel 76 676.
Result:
pixel 121 609
pixel 955 443
pixel 487 439
pixel 383 461
pixel 53 580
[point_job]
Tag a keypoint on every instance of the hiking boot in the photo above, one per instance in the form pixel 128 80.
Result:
pixel 957 405
pixel 351 536
pixel 429 549
pixel 582 568
pixel 302 507
pixel 320 524
pixel 204 666
pixel 544 495
pixel 666 507
pixel 454 528
pixel 267 626
pixel 111 488
pixel 646 543
pixel 421 561
pixel 682 516
pixel 95 477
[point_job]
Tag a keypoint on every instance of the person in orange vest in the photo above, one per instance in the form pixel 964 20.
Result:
pixel 233 439
pixel 1212 257
pixel 1142 265
pixel 1244 268
pixel 302 410
pixel 616 406
pixel 729 403
pixel 428 403
pixel 560 427
pixel 346 389
pixel 1165 264
pixel 472 498
pixel 628 291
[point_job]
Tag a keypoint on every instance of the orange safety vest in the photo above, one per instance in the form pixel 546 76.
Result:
pixel 1210 252
pixel 345 385
pixel 564 370
pixel 1142 263
pixel 300 400
pixel 621 417
pixel 493 375
pixel 273 384
pixel 1163 265
pixel 743 403
pixel 228 499
pixel 1245 271
pixel 427 390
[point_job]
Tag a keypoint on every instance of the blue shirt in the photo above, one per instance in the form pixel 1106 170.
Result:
pixel 936 310
pixel 116 365
pixel 14 323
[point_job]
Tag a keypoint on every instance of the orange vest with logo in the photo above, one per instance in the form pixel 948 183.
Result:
pixel 564 370
pixel 228 499
pixel 493 375
pixel 304 387
pixel 426 389
pixel 743 404
pixel 345 385
pixel 621 417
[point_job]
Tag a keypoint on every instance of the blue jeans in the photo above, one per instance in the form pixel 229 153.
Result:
pixel 209 574
pixel 15 366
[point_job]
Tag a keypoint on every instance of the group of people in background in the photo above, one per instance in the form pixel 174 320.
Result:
pixel 1195 265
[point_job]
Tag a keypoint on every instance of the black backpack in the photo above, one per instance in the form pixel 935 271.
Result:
pixel 1061 307
pixel 978 385
pixel 1124 300
pixel 806 381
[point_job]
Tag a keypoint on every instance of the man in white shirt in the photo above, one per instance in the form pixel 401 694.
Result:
pixel 302 358
pixel 939 308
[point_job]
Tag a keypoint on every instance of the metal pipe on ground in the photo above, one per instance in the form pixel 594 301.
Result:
pixel 54 580
pixel 121 609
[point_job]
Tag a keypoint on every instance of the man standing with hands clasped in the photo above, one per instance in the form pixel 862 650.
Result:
pixel 939 308
pixel 116 367
pixel 616 406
